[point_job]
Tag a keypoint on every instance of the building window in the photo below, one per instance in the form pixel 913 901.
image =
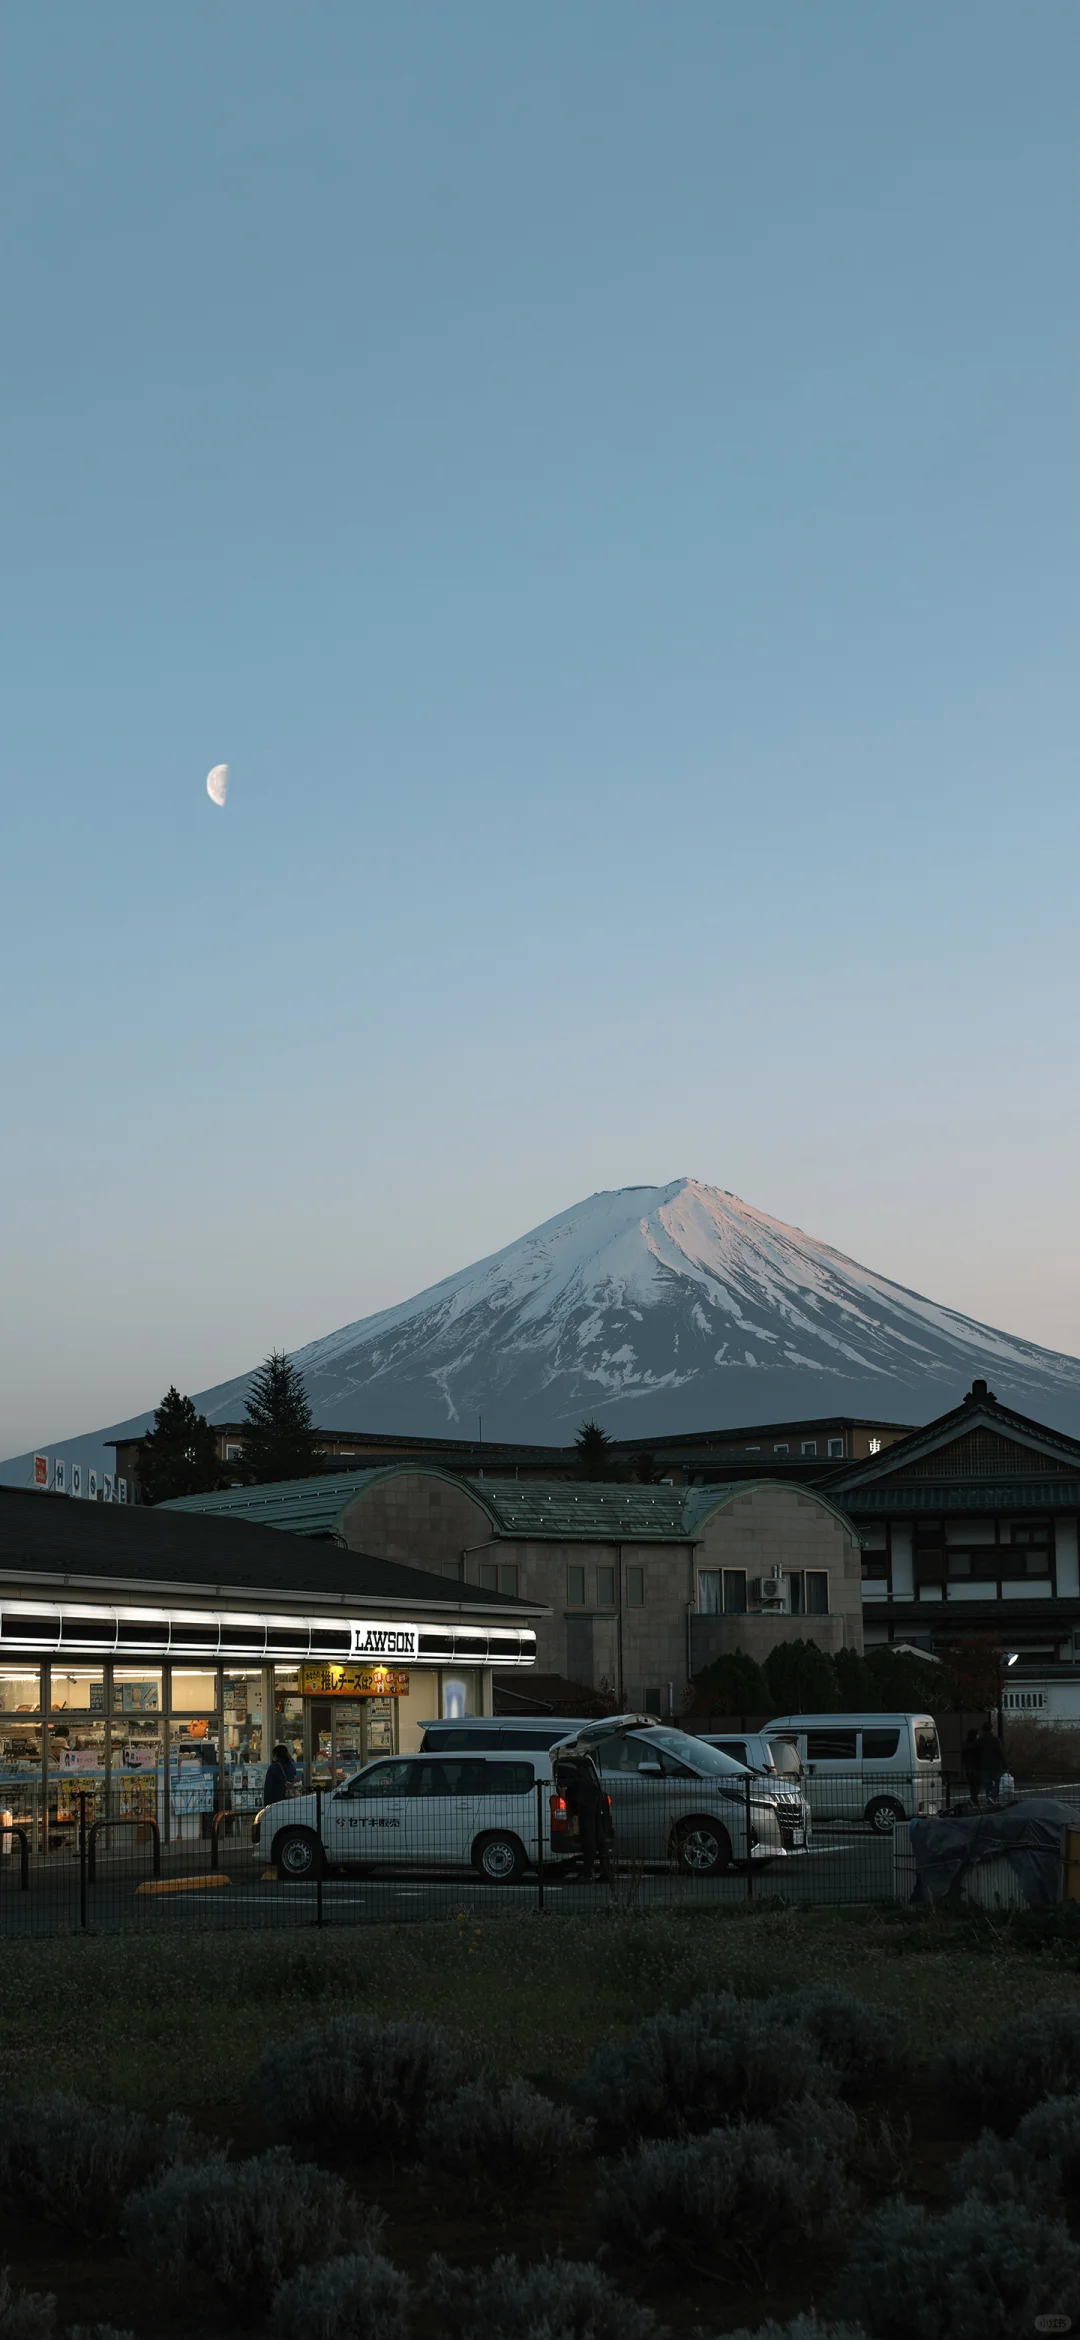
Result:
pixel 575 1588
pixel 605 1587
pixel 782 1449
pixel 809 1592
pixel 735 1592
pixel 874 1445
pixel 809 1446
pixel 875 1566
pixel 752 1450
pixel 836 1448
pixel 499 1576
pixel 709 1592
pixel 233 1453
pixel 635 1588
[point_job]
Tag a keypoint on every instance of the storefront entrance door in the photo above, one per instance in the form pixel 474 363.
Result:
pixel 342 1734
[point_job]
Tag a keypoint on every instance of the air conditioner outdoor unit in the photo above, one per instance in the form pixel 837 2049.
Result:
pixel 773 1593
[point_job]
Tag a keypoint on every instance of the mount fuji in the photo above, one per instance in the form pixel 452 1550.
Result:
pixel 654 1309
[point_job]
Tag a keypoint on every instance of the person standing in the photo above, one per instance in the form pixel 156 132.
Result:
pixel 991 1762
pixel 277 1783
pixel 587 1803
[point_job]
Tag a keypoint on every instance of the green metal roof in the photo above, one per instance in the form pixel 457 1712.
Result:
pixel 967 1495
pixel 306 1507
pixel 529 1508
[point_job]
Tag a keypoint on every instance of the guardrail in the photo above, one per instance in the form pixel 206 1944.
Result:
pixel 11 1828
pixel 138 1820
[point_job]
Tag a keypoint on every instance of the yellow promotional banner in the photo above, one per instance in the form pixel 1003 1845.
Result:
pixel 354 1682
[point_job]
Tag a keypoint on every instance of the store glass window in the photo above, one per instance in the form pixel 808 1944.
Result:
pixel 242 1725
pixel 20 1744
pixel 76 1744
pixel 288 1727
pixel 193 1690
pixel 138 1742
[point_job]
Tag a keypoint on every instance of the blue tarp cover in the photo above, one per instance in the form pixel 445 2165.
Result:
pixel 1027 1834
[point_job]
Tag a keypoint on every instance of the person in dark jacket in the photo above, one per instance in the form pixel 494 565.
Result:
pixel 587 1803
pixel 991 1762
pixel 972 1763
pixel 277 1783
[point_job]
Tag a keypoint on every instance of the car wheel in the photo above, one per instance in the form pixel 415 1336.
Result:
pixel 500 1859
pixel 703 1849
pixel 885 1814
pixel 297 1855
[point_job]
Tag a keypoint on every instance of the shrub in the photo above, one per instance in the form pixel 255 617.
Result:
pixel 97 2332
pixel 801 2328
pixel 981 2272
pixel 361 2297
pixel 1034 2056
pixel 75 2162
pixel 723 2059
pixel 25 2315
pixel 730 2194
pixel 505 2133
pixel 732 1684
pixel 359 2082
pixel 861 2046
pixel 247 2224
pixel 557 2299
pixel 1037 2166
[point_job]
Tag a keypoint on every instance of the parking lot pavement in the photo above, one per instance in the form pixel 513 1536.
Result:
pixel 842 1865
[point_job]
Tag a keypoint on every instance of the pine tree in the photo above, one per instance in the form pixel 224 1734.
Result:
pixel 855 1684
pixel 279 1439
pixel 594 1451
pixel 647 1470
pixel 179 1455
pixel 801 1678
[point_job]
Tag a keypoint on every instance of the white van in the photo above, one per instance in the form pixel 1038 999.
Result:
pixel 478 1810
pixel 876 1767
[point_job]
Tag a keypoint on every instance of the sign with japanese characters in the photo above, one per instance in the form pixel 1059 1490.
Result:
pixel 353 1682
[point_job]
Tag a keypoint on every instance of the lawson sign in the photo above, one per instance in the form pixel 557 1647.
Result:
pixel 386 1641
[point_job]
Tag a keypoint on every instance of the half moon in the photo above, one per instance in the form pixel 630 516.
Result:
pixel 217 783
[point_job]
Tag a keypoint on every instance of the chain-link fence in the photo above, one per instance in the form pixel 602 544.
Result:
pixel 452 1833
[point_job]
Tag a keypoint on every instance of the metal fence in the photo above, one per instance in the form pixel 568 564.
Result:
pixel 105 1868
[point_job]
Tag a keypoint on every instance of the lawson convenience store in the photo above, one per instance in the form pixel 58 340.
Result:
pixel 150 1660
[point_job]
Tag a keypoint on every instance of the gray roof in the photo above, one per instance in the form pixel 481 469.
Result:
pixel 58 1535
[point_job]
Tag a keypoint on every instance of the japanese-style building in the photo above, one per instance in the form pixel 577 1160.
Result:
pixel 970 1524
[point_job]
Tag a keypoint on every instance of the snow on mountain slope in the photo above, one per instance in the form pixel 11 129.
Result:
pixel 657 1309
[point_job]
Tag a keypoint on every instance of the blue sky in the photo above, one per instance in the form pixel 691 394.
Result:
pixel 605 480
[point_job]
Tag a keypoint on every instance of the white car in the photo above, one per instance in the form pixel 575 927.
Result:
pixel 490 1812
pixel 674 1797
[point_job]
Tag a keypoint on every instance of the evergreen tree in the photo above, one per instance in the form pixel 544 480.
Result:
pixel 801 1678
pixel 903 1684
pixel 279 1440
pixel 179 1455
pixel 855 1684
pixel 594 1451
pixel 733 1684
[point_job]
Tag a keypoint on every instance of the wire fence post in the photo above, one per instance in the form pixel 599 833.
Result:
pixel 83 1916
pixel 749 1846
pixel 319 1863
pixel 541 1791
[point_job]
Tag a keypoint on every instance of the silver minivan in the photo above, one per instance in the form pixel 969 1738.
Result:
pixel 674 1798
pixel 882 1768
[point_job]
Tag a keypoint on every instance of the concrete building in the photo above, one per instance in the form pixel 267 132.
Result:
pixel 641 1586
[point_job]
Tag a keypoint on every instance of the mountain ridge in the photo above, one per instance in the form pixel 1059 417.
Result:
pixel 656 1309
